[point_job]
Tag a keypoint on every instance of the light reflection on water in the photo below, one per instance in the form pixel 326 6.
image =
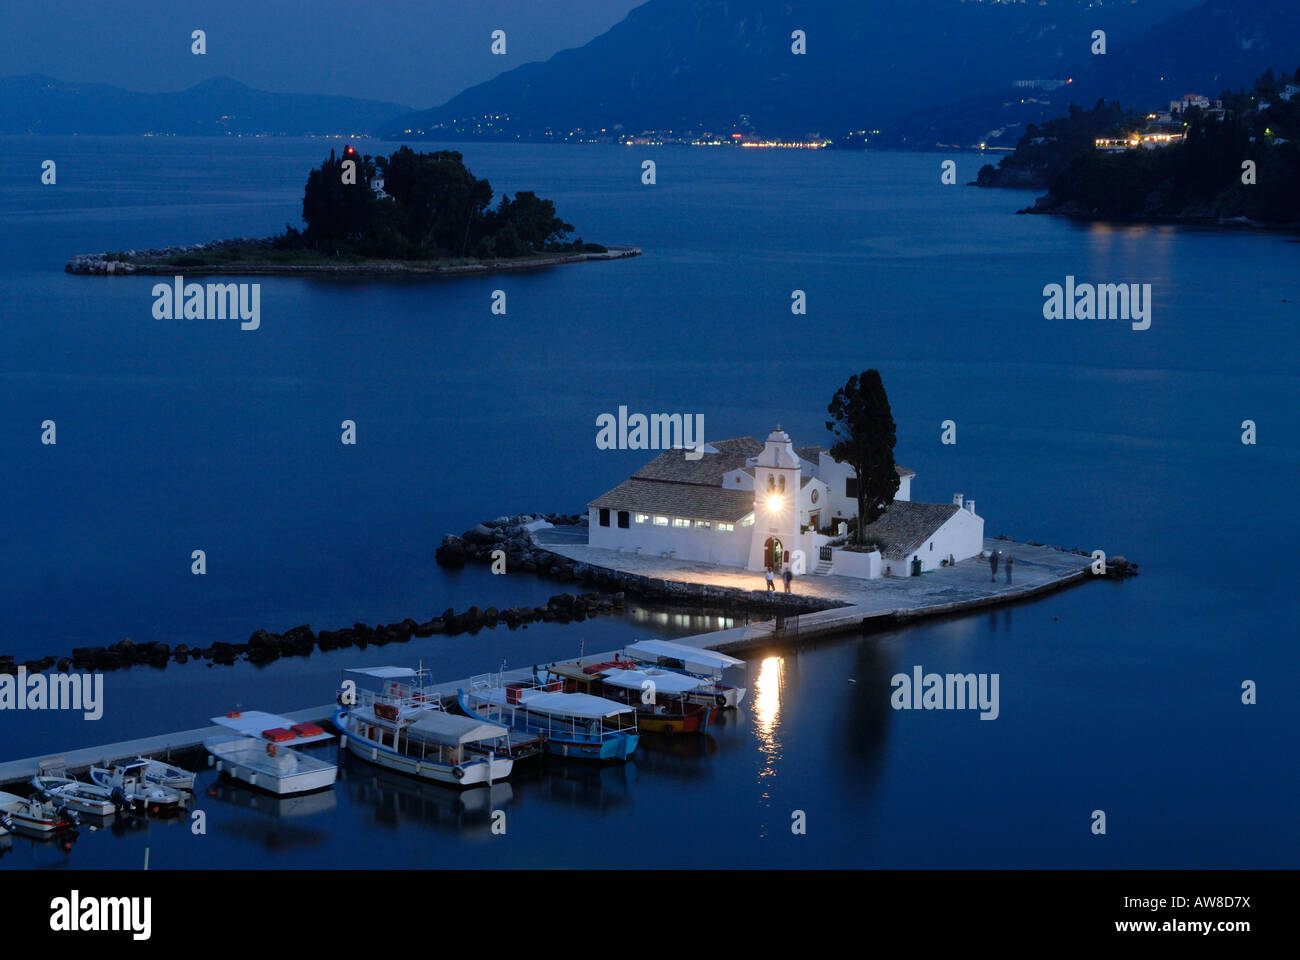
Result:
pixel 767 716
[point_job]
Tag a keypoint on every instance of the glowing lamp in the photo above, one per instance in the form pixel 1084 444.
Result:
pixel 774 503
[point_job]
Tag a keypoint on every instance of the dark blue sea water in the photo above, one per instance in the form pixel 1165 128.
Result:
pixel 177 435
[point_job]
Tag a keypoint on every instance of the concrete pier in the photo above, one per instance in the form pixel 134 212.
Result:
pixel 863 604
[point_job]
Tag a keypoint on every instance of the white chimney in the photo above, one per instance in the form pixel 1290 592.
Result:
pixel 956 499
pixel 970 505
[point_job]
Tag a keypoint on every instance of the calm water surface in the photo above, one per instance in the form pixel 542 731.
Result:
pixel 177 435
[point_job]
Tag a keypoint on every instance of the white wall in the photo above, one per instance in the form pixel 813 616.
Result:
pixel 962 536
pixel 689 543
pixel 834 474
pixel 848 563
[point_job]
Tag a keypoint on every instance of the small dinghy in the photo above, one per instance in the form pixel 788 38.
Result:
pixel 130 788
pixel 82 797
pixel 166 775
pixel 31 814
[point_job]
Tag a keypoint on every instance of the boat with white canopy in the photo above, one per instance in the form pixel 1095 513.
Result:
pixel 658 696
pixel 403 727
pixel 695 662
pixel 570 724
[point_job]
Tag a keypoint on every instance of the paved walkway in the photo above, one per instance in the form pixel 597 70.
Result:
pixel 969 580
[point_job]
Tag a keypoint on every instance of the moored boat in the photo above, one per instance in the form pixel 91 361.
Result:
pixel 266 765
pixel 570 724
pixel 166 775
pixel 81 797
pixel 693 661
pixel 130 787
pixel 263 756
pixel 32 814
pixel 658 696
pixel 403 727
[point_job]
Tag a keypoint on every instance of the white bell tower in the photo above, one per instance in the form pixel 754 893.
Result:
pixel 777 477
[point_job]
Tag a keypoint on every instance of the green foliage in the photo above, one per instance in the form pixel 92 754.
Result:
pixel 1200 177
pixel 865 435
pixel 1043 152
pixel 435 209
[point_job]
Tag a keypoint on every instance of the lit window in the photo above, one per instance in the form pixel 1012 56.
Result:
pixel 702 524
pixel 679 522
pixel 642 518
pixel 726 527
pixel 661 521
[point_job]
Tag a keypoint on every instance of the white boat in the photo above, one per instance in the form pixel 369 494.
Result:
pixel 32 814
pixel 696 662
pixel 403 727
pixel 268 766
pixel 82 797
pixel 166 775
pixel 131 788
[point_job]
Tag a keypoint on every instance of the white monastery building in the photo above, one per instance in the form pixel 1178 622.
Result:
pixel 755 505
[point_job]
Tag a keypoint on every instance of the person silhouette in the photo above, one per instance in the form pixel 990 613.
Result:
pixel 993 562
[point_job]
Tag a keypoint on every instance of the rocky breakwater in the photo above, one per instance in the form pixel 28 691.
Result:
pixel 511 539
pixel 265 647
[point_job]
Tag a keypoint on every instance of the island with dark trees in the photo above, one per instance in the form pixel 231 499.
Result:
pixel 1231 160
pixel 407 213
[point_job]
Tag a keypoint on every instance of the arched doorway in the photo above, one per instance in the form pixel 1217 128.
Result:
pixel 772 554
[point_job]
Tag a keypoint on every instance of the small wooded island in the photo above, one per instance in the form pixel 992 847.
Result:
pixel 405 213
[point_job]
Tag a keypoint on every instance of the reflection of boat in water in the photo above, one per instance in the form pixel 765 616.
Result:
pixel 403 727
pixel 578 784
pixel 396 798
pixel 278 807
pixel 678 758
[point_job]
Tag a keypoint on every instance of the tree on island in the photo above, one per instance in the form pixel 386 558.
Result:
pixel 863 426
pixel 435 208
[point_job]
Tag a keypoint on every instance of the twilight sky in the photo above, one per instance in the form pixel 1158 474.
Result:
pixel 415 52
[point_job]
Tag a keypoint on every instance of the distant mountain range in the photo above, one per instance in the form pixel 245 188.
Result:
pixel 904 73
pixel 723 65
pixel 43 105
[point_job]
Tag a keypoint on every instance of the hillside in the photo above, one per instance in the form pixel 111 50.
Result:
pixel 35 104
pixel 722 65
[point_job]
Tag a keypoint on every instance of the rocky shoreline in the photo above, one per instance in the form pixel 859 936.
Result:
pixel 145 262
